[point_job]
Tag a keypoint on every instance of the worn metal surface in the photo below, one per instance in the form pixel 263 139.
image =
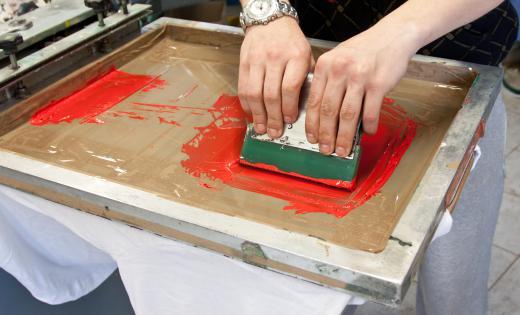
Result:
pixel 68 43
pixel 47 21
pixel 383 277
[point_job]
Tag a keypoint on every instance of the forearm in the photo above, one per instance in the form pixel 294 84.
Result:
pixel 427 20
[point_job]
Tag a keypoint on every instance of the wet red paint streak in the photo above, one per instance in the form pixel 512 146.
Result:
pixel 131 115
pixel 330 182
pixel 213 154
pixel 96 98
pixel 163 120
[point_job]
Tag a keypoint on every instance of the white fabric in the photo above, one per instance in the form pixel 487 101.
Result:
pixel 60 254
pixel 43 255
pixel 444 226
pixel 478 153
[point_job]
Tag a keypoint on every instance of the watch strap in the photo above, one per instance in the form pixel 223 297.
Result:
pixel 284 9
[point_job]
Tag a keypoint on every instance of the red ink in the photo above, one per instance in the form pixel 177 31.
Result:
pixel 96 98
pixel 131 115
pixel 330 182
pixel 214 152
pixel 206 185
pixel 170 122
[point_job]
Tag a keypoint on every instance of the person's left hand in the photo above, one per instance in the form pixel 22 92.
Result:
pixel 354 76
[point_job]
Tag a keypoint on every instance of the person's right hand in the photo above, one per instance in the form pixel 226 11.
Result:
pixel 274 62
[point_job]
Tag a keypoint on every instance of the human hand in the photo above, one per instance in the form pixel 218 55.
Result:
pixel 274 61
pixel 354 77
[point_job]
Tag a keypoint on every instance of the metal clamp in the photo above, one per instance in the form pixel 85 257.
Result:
pixel 9 43
pixel 100 7
pixel 124 6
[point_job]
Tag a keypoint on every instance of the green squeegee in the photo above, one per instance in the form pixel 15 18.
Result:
pixel 293 155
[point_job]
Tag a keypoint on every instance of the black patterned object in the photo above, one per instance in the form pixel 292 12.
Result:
pixel 486 40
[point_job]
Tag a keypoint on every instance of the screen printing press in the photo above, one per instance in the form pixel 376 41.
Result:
pixel 147 160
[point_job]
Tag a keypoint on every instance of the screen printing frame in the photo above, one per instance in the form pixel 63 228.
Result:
pixel 381 277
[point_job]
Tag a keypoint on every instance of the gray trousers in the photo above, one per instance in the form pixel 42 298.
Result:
pixel 454 274
pixel 453 277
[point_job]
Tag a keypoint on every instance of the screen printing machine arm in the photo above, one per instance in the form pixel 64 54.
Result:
pixel 61 254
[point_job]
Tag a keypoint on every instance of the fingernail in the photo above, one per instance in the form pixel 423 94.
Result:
pixel 340 151
pixel 260 128
pixel 324 148
pixel 273 133
pixel 311 138
pixel 287 119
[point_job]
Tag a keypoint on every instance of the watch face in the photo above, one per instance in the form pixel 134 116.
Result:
pixel 261 9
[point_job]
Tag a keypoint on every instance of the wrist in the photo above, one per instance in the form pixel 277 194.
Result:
pixel 280 23
pixel 408 34
pixel 262 12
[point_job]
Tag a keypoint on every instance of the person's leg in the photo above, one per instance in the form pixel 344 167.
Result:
pixel 453 276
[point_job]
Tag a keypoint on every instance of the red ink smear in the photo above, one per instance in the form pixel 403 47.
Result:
pixel 131 115
pixel 170 122
pixel 96 98
pixel 206 185
pixel 330 182
pixel 214 154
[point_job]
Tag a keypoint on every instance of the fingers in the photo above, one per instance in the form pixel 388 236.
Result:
pixel 273 100
pixel 348 119
pixel 293 78
pixel 254 97
pixel 312 119
pixel 243 76
pixel 329 109
pixel 371 109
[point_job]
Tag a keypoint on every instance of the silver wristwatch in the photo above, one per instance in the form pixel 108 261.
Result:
pixel 264 11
